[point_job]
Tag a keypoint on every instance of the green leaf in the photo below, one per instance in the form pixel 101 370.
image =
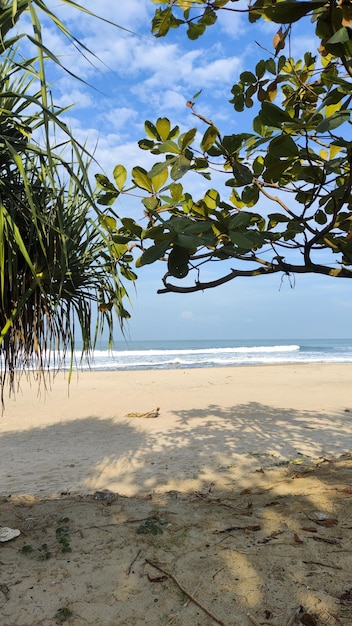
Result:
pixel 158 168
pixel 109 223
pixel 271 115
pixel 177 223
pixel 161 22
pixel 108 198
pixel 128 273
pixel 283 146
pixel 242 173
pixel 104 183
pixel 289 12
pixel 159 180
pixel 260 69
pixel 117 250
pixel 311 174
pixel 176 191
pixel 211 198
pixel 275 170
pixel 240 220
pixel 177 263
pixel 195 30
pixel 200 163
pixel 181 166
pixel 151 204
pixel 236 200
pixel 320 217
pixel 174 132
pixel 335 120
pixel 169 146
pixel 120 239
pixel 248 78
pixel 187 139
pixel 258 166
pixel 209 137
pixel 232 143
pixel 250 195
pixel 123 312
pixel 196 95
pixel 155 233
pixel 120 176
pixel 146 144
pixel 188 241
pixel 141 179
pixel 151 130
pixel 276 218
pixel 152 254
pixel 197 228
pixel 341 36
pixel 240 240
pixel 270 67
pixel 163 127
pixel 131 226
pixel 209 16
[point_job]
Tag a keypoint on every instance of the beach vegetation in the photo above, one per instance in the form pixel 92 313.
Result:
pixel 62 615
pixel 281 200
pixel 60 274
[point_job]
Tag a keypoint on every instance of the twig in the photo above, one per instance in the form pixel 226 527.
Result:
pixel 173 617
pixel 232 528
pixel 133 562
pixel 322 564
pixel 148 414
pixel 293 616
pixel 192 598
pixel 253 620
pixel 332 541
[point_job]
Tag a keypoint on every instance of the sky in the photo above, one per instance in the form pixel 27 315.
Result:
pixel 134 77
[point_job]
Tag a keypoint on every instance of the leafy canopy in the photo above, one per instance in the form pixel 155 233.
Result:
pixel 296 159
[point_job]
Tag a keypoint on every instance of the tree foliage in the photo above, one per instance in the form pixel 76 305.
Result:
pixel 59 278
pixel 288 206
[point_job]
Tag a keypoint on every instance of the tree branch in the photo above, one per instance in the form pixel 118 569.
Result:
pixel 286 268
pixel 276 199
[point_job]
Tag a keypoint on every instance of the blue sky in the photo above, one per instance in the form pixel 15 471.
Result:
pixel 137 77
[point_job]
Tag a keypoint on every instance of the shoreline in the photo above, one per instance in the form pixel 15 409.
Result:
pixel 218 424
pixel 147 368
pixel 182 354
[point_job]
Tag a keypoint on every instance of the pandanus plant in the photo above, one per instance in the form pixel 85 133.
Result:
pixel 59 281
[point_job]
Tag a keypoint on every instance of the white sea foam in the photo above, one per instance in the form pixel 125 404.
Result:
pixel 191 354
pixel 199 351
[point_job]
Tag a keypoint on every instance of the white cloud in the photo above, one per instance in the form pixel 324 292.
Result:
pixel 167 66
pixel 172 100
pixel 233 24
pixel 126 14
pixel 186 315
pixel 120 118
pixel 73 96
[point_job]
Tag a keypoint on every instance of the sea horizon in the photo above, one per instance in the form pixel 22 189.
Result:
pixel 201 353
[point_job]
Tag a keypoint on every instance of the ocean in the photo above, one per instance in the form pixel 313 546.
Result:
pixel 144 355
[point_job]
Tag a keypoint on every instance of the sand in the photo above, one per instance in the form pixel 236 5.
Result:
pixel 240 490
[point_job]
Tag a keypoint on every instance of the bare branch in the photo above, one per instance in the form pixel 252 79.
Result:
pixel 272 268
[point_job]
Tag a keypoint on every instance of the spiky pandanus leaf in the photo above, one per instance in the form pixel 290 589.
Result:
pixel 55 268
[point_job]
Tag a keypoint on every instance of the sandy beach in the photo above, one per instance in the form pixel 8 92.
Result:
pixel 232 506
pixel 212 424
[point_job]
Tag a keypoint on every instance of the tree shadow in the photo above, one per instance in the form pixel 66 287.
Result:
pixel 128 457
pixel 245 532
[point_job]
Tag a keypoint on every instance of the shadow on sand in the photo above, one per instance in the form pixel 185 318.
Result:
pixel 120 454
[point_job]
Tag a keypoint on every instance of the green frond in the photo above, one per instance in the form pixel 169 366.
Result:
pixel 56 272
